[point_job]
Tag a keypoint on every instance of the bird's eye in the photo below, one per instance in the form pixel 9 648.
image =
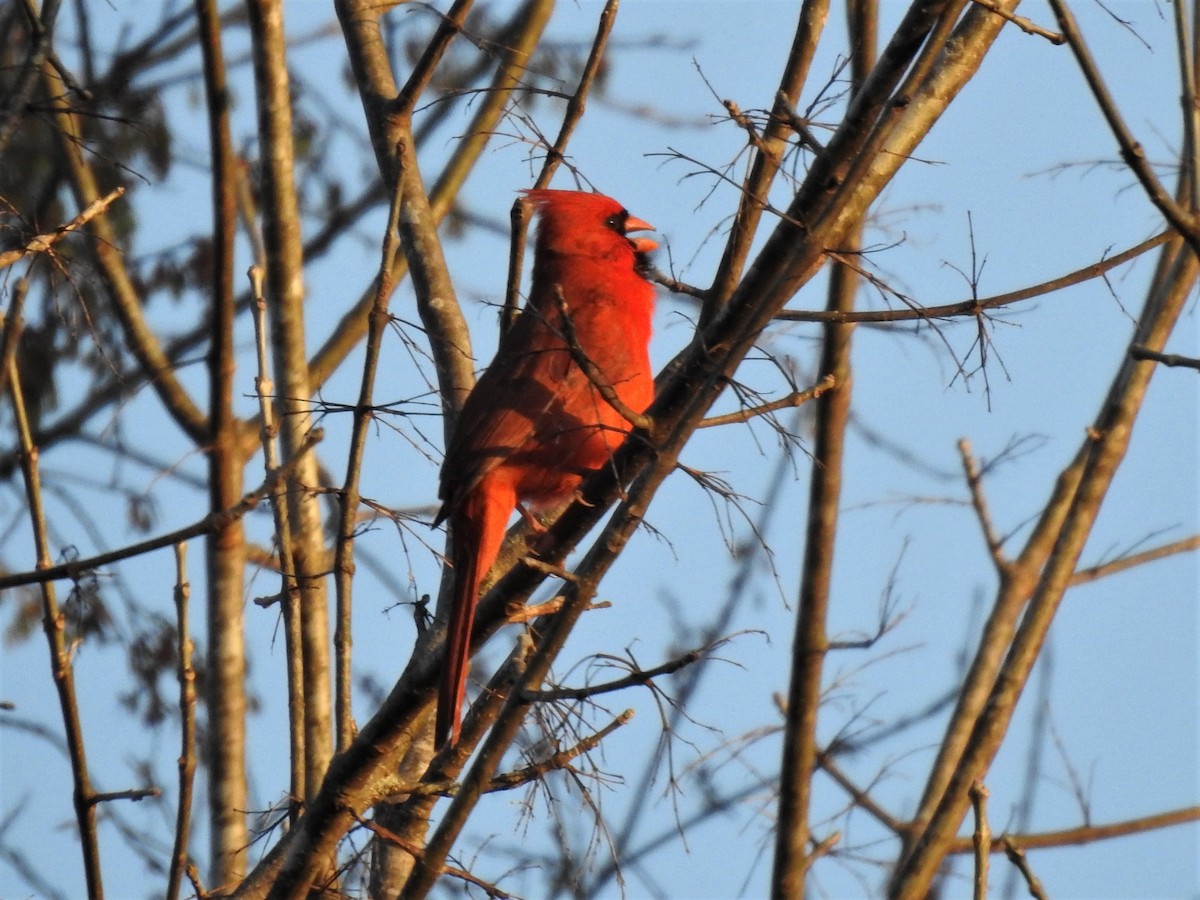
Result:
pixel 617 221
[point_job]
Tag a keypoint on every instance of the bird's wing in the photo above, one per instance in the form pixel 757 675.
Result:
pixel 513 398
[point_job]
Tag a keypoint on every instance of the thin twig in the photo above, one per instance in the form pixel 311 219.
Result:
pixel 187 724
pixel 981 838
pixel 127 304
pixel 518 230
pixel 634 679
pixel 578 100
pixel 1025 24
pixel 593 372
pixel 453 871
pixel 1088 834
pixel 13 325
pixel 792 400
pixel 422 73
pixel 1185 55
pixel 134 794
pixel 1136 559
pixel 76 569
pixel 560 760
pixel 979 501
pixel 1016 856
pixel 861 798
pixel 289 588
pixel 343 567
pixel 1167 359
pixel 768 157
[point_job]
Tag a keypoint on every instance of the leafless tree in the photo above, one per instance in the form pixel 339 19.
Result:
pixel 96 367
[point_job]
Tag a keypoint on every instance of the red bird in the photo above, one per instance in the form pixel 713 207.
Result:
pixel 535 425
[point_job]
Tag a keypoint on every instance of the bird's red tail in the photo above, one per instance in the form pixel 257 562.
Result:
pixel 476 531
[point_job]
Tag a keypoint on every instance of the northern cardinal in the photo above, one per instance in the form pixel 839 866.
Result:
pixel 536 425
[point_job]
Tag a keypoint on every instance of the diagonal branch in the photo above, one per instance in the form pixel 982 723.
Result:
pixel 1132 152
pixel 157 367
pixel 595 375
pixel 42 242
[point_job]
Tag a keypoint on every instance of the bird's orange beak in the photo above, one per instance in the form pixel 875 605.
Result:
pixel 640 244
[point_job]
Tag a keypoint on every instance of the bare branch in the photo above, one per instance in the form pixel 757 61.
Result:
pixel 1132 152
pixel 981 839
pixel 593 372
pixel 461 874
pixel 187 725
pixel 128 306
pixel 134 794
pixel 1017 856
pixel 44 242
pixel 861 798
pixel 289 589
pixel 61 668
pixel 1136 559
pixel 422 73
pixel 576 104
pixel 75 569
pixel 560 760
pixel 791 401
pixel 1087 834
pixel 343 565
pixel 1167 359
pixel 979 501
pixel 634 679
pixel 975 306
pixel 1025 24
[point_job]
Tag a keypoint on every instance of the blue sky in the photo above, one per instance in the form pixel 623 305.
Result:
pixel 1025 154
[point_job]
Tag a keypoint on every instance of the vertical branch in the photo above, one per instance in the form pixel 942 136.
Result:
pixel 1191 92
pixel 225 550
pixel 187 724
pixel 1187 96
pixel 343 566
pixel 1132 152
pixel 60 661
pixel 10 331
pixel 811 643
pixel 981 839
pixel 285 305
pixel 289 589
